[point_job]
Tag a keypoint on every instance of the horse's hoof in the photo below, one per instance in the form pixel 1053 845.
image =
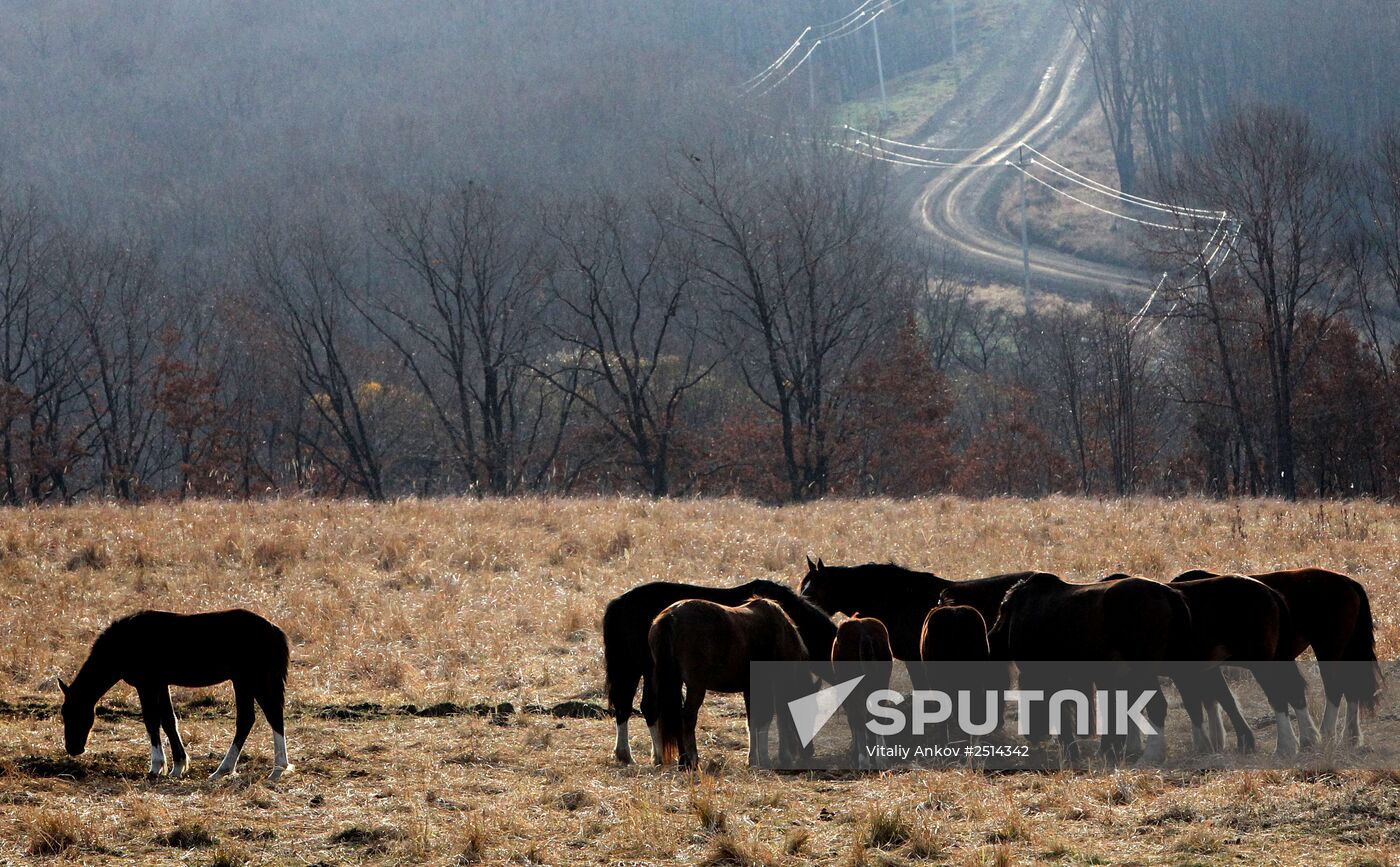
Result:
pixel 278 772
pixel 221 773
pixel 177 771
pixel 623 756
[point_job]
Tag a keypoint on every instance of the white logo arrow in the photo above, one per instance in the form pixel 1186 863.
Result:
pixel 811 712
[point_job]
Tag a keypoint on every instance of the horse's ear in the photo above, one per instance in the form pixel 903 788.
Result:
pixel 63 687
pixel 811 567
pixel 820 564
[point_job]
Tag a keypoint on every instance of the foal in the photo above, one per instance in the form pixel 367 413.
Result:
pixel 154 650
pixel 953 646
pixel 703 645
pixel 864 642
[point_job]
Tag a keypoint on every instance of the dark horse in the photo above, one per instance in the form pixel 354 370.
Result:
pixel 154 650
pixel 627 657
pixel 900 597
pixel 953 645
pixel 1331 613
pixel 863 643
pixel 1238 620
pixel 1124 630
pixel 707 646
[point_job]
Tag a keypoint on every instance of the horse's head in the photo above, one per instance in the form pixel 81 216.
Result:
pixel 78 717
pixel 823 585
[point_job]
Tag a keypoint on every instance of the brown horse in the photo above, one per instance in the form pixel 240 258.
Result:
pixel 1124 631
pixel 627 658
pixel 703 646
pixel 1238 620
pixel 1331 613
pixel 956 634
pixel 899 597
pixel 154 650
pixel 864 642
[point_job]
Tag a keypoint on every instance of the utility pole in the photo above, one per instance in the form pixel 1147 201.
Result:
pixel 879 66
pixel 953 31
pixel 812 87
pixel 1025 243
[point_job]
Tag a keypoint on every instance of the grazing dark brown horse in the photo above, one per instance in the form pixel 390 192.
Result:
pixel 154 650
pixel 627 658
pixel 956 634
pixel 1331 613
pixel 899 597
pixel 1124 629
pixel 865 642
pixel 704 646
pixel 1238 620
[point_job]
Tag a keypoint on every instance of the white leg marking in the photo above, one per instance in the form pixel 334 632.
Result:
pixel 1354 723
pixel 229 765
pixel 621 749
pixel 280 765
pixel 1217 725
pixel 1287 743
pixel 157 759
pixel 1329 721
pixel 655 731
pixel 758 746
pixel 1307 730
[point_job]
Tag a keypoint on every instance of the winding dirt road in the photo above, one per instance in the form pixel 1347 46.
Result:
pixel 958 206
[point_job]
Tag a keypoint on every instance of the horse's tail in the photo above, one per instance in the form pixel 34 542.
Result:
pixel 281 660
pixel 615 658
pixel 668 687
pixel 1362 683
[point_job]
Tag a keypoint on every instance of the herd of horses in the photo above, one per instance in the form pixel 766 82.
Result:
pixel 679 641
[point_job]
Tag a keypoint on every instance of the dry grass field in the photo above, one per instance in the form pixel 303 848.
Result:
pixel 412 623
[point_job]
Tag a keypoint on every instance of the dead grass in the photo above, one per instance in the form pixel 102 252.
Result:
pixel 455 607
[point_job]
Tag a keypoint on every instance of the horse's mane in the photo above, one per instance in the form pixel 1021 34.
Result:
pixel 804 613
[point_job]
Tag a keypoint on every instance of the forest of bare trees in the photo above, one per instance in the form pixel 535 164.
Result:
pixel 761 321
pixel 588 273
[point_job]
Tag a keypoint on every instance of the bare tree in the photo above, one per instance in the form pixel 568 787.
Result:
pixel 1288 191
pixel 475 294
pixel 628 317
pixel 798 247
pixel 1116 35
pixel 305 279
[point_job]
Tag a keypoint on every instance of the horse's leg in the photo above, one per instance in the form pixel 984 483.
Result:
pixel 1215 726
pixel 690 749
pixel 650 712
pixel 1155 751
pixel 178 758
pixel 760 717
pixel 1276 692
pixel 1353 729
pixel 1196 696
pixel 1291 679
pixel 243 702
pixel 271 700
pixel 1225 700
pixel 1329 719
pixel 151 715
pixel 621 691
